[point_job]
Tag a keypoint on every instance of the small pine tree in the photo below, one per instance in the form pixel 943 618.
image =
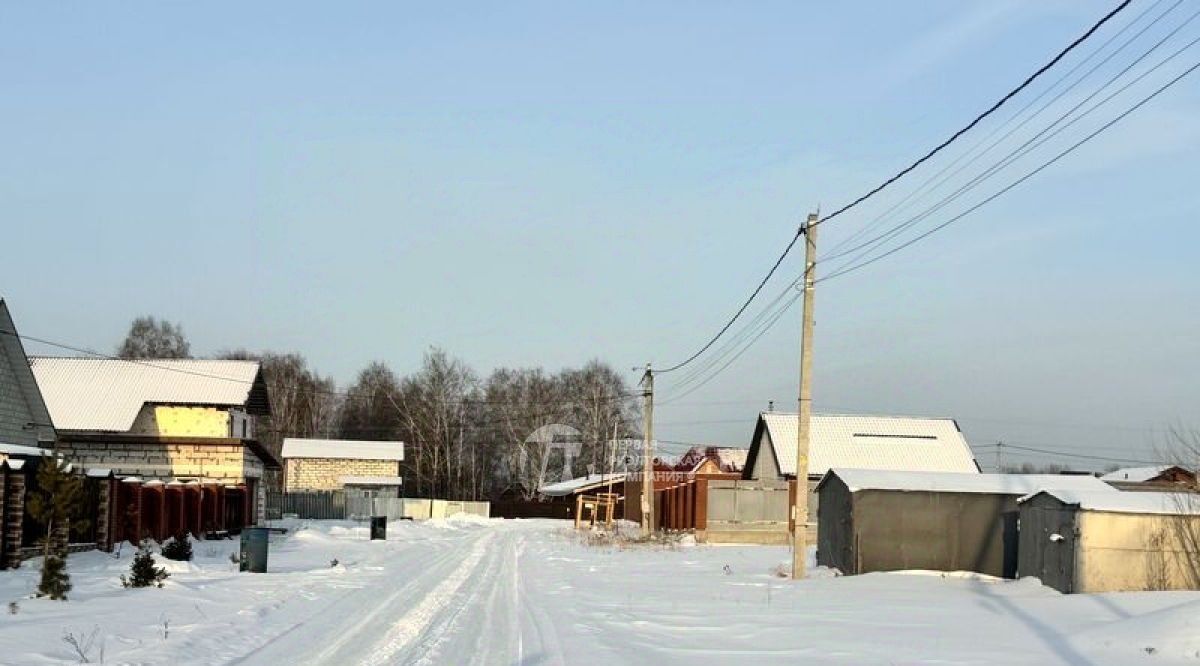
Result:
pixel 178 547
pixel 57 495
pixel 54 583
pixel 143 573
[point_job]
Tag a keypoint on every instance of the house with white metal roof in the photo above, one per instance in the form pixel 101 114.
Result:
pixel 187 420
pixel 364 468
pixel 898 443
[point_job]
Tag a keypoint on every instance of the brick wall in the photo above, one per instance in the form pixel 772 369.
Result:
pixel 325 473
pixel 11 518
pixel 152 460
pixel 103 515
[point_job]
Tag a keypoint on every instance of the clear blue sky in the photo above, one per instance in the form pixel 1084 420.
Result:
pixel 542 183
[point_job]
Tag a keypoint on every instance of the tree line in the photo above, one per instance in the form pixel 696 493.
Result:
pixel 465 436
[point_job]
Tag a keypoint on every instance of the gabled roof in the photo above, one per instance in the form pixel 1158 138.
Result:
pixel 589 482
pixel 26 420
pixel 866 442
pixel 1140 474
pixel 349 449
pixel 105 395
pixel 958 482
pixel 1126 502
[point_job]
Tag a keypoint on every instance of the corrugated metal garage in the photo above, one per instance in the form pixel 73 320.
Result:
pixel 874 520
pixel 1080 541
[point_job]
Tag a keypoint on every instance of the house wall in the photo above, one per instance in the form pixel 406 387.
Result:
pixel 766 467
pixel 895 530
pixel 182 421
pixel 325 473
pixel 1118 552
pixel 232 463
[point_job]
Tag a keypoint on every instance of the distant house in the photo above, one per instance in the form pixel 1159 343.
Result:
pixel 1155 478
pixel 708 460
pixel 897 443
pixel 879 520
pixel 360 467
pixel 180 432
pixel 1111 541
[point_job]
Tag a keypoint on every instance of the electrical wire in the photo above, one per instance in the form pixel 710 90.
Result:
pixel 1030 144
pixel 921 190
pixel 754 294
pixel 935 150
pixel 1014 184
pixel 978 119
pixel 345 395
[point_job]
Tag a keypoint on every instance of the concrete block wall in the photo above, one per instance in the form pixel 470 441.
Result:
pixel 220 462
pixel 326 473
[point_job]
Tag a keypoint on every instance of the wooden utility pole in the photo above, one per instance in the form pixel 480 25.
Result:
pixel 999 457
pixel 647 453
pixel 800 508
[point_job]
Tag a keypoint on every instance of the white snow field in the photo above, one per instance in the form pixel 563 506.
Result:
pixel 473 591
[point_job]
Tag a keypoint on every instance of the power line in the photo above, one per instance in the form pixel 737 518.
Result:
pixel 1081 456
pixel 1030 144
pixel 754 294
pixel 978 119
pixel 1001 102
pixel 1012 185
pixel 916 193
pixel 345 395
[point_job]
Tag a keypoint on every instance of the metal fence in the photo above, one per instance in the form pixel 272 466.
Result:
pixel 337 505
pixel 317 504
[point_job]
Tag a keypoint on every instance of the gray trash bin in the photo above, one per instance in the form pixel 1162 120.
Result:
pixel 254 549
pixel 378 528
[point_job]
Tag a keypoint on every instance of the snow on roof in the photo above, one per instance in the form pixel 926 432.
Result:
pixel 14 464
pixel 872 442
pixel 21 450
pixel 371 481
pixel 1127 501
pixel 106 395
pixel 98 472
pixel 959 482
pixel 1137 474
pixel 733 460
pixel 582 483
pixel 348 449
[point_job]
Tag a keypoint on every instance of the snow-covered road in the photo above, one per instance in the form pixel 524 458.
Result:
pixel 530 593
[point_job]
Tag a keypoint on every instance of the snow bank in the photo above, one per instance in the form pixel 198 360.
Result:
pixel 1168 633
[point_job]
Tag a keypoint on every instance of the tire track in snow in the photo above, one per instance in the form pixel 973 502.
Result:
pixel 467 627
pixel 418 619
pixel 347 606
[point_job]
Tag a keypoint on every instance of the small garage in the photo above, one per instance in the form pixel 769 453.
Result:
pixel 1084 541
pixel 877 520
